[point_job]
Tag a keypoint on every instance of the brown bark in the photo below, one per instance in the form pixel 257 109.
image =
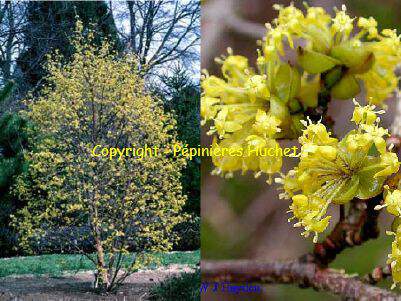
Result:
pixel 102 274
pixel 305 274
pixel 378 274
pixel 101 264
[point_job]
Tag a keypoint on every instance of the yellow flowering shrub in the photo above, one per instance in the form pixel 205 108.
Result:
pixel 128 204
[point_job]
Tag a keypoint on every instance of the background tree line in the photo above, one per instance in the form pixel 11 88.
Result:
pixel 163 34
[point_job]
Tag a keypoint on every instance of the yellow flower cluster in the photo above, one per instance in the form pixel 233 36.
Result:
pixel 336 55
pixel 255 106
pixel 250 110
pixel 394 259
pixel 392 202
pixel 333 171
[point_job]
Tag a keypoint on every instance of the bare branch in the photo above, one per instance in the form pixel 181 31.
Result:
pixel 161 31
pixel 378 274
pixel 295 272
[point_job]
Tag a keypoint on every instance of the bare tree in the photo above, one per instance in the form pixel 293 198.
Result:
pixel 29 30
pixel 160 31
pixel 49 26
pixel 12 20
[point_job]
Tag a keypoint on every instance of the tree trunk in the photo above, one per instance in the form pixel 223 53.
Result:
pixel 102 279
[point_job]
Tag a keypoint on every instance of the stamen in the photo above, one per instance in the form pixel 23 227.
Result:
pixel 315 237
pixel 378 207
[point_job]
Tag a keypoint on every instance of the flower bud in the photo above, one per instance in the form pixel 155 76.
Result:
pixel 346 88
pixel 333 76
pixel 234 65
pixel 354 55
pixel 308 93
pixel 315 62
pixel 287 82
pixel 395 224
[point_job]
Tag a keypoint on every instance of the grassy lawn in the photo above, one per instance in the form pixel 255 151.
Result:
pixel 56 264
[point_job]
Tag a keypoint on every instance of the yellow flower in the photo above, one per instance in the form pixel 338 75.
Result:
pixel 234 68
pixel 332 171
pixel 358 142
pixel 392 202
pixel 381 80
pixel 225 121
pixel 342 23
pixel 226 162
pixel 376 134
pixel 389 162
pixel 257 87
pixel 209 108
pixel 316 134
pixel 266 125
pixel 299 205
pixel 369 26
pixel 365 115
pixel 394 259
pixel 310 211
pixel 213 86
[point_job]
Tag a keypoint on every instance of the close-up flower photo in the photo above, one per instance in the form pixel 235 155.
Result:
pixel 301 198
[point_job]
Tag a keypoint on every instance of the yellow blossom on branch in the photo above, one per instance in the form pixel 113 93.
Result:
pixel 335 172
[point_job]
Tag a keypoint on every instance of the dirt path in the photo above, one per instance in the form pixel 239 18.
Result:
pixel 77 286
